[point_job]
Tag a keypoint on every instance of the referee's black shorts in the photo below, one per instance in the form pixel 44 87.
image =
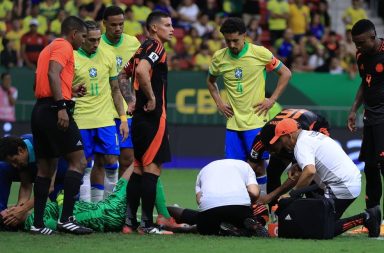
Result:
pixel 150 139
pixel 49 141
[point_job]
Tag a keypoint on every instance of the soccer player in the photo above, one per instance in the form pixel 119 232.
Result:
pixel 149 126
pixel 370 62
pixel 279 161
pixel 19 165
pixel 242 66
pixel 96 68
pixel 225 190
pixel 53 127
pixel 123 47
pixel 322 160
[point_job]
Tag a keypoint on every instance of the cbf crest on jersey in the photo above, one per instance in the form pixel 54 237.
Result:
pixel 119 61
pixel 93 72
pixel 238 73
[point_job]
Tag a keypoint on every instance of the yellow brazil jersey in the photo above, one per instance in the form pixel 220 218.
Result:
pixel 95 109
pixel 244 82
pixel 42 26
pixel 5 7
pixel 122 51
pixel 132 28
pixel 353 15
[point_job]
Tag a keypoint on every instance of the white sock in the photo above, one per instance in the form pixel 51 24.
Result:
pixel 262 181
pixel 85 188
pixel 110 179
pixel 97 192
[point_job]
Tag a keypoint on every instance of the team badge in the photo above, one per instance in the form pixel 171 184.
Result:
pixel 119 61
pixel 93 72
pixel 238 73
pixel 153 56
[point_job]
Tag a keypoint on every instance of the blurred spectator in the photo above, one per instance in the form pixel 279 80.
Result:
pixel 278 18
pixel 203 58
pixel 251 10
pixel 334 66
pixel 83 13
pixel 317 29
pixel 8 56
pixel 5 6
pixel 211 8
pixel 55 28
pixel 31 45
pixel 8 97
pixel 254 31
pixel 308 45
pixel 353 14
pixel 202 25
pixel 192 41
pixel 325 19
pixel 96 9
pixel 317 59
pixel 299 65
pixel 140 11
pixel 348 43
pixel 3 29
pixel 299 18
pixel 332 44
pixel 72 7
pixel 233 7
pixel 188 12
pixel 49 9
pixel 347 61
pixel 131 26
pixel 35 15
pixel 14 35
pixel 165 6
pixel 284 47
pixel 215 42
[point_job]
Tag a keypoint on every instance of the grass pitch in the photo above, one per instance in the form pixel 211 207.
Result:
pixel 179 187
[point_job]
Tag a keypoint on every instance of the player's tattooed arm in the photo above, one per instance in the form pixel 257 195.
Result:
pixel 126 89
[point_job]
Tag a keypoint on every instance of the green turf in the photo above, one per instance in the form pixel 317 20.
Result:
pixel 179 187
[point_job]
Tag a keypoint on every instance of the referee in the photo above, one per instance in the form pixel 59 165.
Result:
pixel 55 132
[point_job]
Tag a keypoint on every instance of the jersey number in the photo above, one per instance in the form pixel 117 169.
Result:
pixel 293 114
pixel 94 89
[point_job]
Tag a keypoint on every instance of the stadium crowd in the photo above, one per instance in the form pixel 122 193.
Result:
pixel 297 31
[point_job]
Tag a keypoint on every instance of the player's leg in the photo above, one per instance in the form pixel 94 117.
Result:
pixel 126 157
pixel 234 148
pixel 97 178
pixel 378 133
pixel 274 170
pixel 87 136
pixel 247 138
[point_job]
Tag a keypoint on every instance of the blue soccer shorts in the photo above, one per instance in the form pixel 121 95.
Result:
pixel 103 140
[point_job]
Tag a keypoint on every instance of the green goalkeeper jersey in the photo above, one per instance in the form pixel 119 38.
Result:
pixel 104 216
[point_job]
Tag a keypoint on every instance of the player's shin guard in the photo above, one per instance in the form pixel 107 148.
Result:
pixel 262 181
pixel 97 192
pixel 110 179
pixel 85 188
pixel 148 196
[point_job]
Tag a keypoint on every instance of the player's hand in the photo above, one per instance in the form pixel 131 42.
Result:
pixel 265 199
pixel 284 196
pixel 124 130
pixel 294 172
pixel 62 119
pixel 352 122
pixel 131 106
pixel 79 90
pixel 150 105
pixel 15 215
pixel 263 107
pixel 226 110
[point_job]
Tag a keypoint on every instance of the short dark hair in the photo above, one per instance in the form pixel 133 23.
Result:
pixel 91 25
pixel 362 26
pixel 72 23
pixel 4 74
pixel 233 25
pixel 155 16
pixel 112 11
pixel 9 146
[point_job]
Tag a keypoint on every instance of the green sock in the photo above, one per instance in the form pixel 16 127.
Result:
pixel 160 203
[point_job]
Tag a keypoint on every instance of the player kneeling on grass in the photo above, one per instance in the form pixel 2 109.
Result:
pixel 225 190
pixel 322 160
pixel 18 164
